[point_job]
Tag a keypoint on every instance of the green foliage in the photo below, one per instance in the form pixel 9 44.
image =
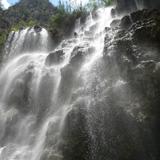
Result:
pixel 62 23
pixel 3 37
pixel 23 24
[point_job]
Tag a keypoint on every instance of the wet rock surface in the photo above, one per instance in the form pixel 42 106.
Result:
pixel 115 23
pixel 135 51
pixel 79 53
pixel 55 57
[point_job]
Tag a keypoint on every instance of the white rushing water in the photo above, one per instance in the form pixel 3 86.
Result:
pixel 35 98
pixel 26 40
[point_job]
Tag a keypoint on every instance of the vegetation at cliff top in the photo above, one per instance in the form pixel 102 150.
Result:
pixel 23 24
pixel 62 23
pixel 58 20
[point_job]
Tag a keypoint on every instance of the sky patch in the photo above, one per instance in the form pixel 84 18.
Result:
pixel 5 4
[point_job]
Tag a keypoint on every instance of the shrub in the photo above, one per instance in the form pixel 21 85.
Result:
pixel 62 23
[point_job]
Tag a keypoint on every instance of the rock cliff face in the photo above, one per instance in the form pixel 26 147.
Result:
pixel 135 50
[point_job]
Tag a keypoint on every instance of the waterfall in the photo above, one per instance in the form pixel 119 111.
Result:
pixel 70 103
pixel 35 98
pixel 139 4
pixel 27 40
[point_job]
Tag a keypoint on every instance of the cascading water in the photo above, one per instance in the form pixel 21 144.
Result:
pixel 59 105
pixel 140 4
pixel 20 41
pixel 34 98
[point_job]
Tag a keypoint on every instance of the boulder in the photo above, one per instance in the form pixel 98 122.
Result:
pixel 79 54
pixel 55 57
pixel 126 22
pixel 113 12
pixel 115 23
pixel 93 27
